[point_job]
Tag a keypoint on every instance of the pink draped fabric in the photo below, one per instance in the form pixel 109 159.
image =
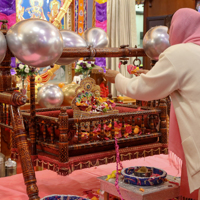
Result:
pixel 11 19
pixel 102 25
pixel 185 28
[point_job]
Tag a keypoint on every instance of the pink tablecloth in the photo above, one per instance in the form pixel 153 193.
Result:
pixel 13 188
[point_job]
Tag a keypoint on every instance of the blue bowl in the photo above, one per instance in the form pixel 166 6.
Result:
pixel 130 178
pixel 63 197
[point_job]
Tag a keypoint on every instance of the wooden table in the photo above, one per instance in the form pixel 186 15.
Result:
pixel 164 191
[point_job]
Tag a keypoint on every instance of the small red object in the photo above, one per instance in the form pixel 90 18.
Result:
pixel 174 183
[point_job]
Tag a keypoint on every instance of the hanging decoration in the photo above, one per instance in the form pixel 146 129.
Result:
pixel 80 16
pixel 101 22
pixel 85 14
pixel 8 12
pixel 101 15
pixel 76 16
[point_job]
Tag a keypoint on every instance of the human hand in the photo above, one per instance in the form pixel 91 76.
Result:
pixel 110 75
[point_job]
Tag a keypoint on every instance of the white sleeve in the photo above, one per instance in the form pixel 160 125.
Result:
pixel 158 83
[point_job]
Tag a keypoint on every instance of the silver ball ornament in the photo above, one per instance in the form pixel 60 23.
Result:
pixel 155 41
pixel 70 39
pixel 3 46
pixel 50 96
pixel 96 37
pixel 35 42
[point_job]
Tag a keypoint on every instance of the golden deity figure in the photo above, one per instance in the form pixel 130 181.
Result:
pixel 19 11
pixel 36 10
pixel 54 7
pixel 96 90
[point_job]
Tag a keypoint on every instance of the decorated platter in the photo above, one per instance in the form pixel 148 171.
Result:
pixel 153 176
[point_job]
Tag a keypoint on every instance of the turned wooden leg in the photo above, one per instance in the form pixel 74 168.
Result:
pixel 23 149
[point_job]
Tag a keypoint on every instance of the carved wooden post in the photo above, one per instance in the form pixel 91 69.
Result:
pixel 23 148
pixel 32 127
pixel 63 138
pixel 163 121
pixel 5 76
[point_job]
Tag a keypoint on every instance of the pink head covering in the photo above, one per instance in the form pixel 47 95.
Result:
pixel 185 27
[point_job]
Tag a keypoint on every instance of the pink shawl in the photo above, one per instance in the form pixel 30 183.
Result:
pixel 185 28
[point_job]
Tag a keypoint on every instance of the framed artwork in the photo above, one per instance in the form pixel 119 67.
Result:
pixel 42 9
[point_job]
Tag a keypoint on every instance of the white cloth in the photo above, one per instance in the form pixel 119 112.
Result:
pixel 121 30
pixel 177 73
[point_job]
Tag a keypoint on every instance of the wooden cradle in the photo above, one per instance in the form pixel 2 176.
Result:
pixel 52 137
pixel 76 152
pixel 65 144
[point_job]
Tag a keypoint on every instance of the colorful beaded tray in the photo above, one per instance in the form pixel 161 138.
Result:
pixel 63 197
pixel 156 178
